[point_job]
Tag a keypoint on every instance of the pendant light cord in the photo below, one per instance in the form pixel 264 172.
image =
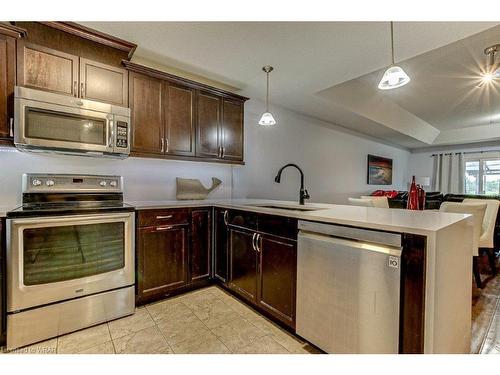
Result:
pixel 267 93
pixel 392 42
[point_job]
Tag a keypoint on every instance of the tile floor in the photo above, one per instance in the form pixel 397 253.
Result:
pixel 208 321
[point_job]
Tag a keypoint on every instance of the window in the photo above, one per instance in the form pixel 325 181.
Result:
pixel 482 176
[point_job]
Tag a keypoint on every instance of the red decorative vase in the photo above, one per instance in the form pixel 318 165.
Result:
pixel 412 196
pixel 421 197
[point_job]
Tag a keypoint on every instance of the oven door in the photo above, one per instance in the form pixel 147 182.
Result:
pixel 51 259
pixel 59 127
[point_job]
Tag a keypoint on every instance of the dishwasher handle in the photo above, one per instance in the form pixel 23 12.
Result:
pixel 361 245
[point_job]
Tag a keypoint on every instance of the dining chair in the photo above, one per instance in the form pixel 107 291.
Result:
pixel 380 202
pixel 361 202
pixel 486 241
pixel 478 212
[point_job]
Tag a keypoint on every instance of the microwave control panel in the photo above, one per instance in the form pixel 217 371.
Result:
pixel 121 134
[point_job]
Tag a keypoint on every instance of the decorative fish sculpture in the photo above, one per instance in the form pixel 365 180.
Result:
pixel 188 188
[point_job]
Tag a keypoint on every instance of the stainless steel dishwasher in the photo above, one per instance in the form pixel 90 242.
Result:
pixel 348 282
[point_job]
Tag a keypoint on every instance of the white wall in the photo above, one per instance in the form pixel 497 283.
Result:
pixel 144 179
pixel 334 160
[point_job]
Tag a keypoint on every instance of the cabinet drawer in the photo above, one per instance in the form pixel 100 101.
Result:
pixel 147 218
pixel 278 226
pixel 242 219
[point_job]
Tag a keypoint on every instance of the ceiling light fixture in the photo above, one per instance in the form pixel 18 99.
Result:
pixel 267 118
pixel 492 70
pixel 394 76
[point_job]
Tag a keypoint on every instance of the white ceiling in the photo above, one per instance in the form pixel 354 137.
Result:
pixel 312 59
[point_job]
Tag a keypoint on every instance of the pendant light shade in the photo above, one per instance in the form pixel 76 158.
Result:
pixel 267 119
pixel 394 76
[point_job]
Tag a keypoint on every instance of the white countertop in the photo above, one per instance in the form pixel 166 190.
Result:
pixel 387 219
pixel 5 209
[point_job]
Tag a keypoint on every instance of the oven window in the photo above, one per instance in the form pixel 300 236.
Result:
pixel 71 252
pixel 57 126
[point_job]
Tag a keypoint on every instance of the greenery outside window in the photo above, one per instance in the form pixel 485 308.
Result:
pixel 482 175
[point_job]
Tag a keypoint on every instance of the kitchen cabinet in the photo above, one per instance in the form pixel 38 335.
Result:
pixel 162 260
pixel 174 251
pixel 8 36
pixel 60 72
pixel 277 277
pixel 146 111
pixel 221 259
pixel 243 263
pixel 103 83
pixel 232 129
pixel 220 127
pixel 200 256
pixel 263 261
pixel 197 122
pixel 162 117
pixel 208 129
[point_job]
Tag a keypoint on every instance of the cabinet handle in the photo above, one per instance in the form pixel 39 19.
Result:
pixel 219 155
pixel 158 229
pixel 253 241
pixel 166 142
pixel 225 218
pixel 82 90
pixel 164 217
pixel 75 89
pixel 11 127
pixel 257 240
pixel 162 145
pixel 223 151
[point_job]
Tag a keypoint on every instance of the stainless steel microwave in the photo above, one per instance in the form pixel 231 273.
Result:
pixel 49 122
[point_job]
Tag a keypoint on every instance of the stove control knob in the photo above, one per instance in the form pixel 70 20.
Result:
pixel 113 184
pixel 49 183
pixel 36 182
pixel 103 183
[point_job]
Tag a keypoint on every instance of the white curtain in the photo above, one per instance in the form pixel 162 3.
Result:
pixel 448 173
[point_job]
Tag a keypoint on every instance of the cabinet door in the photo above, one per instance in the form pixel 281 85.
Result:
pixel 208 129
pixel 7 82
pixel 3 275
pixel 243 264
pixel 277 277
pixel 232 129
pixel 103 83
pixel 47 69
pixel 162 260
pixel 178 107
pixel 221 243
pixel 201 244
pixel 147 124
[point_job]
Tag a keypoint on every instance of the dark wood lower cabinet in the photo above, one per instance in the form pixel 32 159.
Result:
pixel 243 263
pixel 3 275
pixel 221 253
pixel 200 258
pixel 162 260
pixel 277 277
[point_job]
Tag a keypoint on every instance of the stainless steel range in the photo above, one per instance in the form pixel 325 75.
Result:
pixel 70 258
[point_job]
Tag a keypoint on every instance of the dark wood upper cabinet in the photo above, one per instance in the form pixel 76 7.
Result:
pixel 103 83
pixel 178 109
pixel 201 244
pixel 232 129
pixel 221 258
pixel 162 260
pixel 277 277
pixel 7 82
pixel 208 129
pixel 47 69
pixel 243 263
pixel 147 118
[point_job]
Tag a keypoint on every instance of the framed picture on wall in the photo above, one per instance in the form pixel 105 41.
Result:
pixel 379 170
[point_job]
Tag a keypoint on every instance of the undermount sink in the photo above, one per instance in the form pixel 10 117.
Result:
pixel 291 208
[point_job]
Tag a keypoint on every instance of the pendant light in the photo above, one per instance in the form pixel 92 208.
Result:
pixel 492 71
pixel 394 76
pixel 267 118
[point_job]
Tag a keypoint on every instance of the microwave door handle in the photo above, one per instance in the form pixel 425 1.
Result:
pixel 110 134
